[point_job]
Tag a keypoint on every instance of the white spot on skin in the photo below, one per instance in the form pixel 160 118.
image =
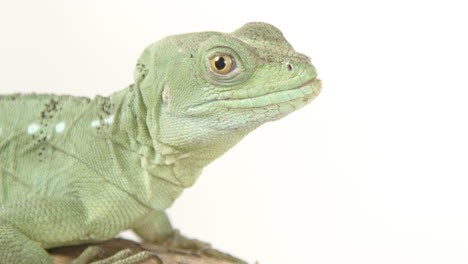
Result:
pixel 60 127
pixel 33 128
pixel 109 120
pixel 180 50
pixel 95 123
pixel 166 95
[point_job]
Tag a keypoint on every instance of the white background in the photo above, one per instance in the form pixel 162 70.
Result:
pixel 373 171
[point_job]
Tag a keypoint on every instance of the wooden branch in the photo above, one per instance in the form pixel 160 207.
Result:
pixel 161 254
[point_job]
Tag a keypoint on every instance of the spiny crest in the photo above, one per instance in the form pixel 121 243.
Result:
pixel 267 40
pixel 260 31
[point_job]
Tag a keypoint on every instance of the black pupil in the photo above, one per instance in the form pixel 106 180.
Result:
pixel 220 63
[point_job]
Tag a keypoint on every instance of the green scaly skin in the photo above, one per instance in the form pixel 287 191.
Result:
pixel 75 170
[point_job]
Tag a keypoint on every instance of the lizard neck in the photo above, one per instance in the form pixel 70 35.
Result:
pixel 184 161
pixel 189 165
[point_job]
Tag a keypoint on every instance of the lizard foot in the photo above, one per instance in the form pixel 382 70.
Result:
pixel 125 256
pixel 179 244
pixel 182 244
pixel 123 251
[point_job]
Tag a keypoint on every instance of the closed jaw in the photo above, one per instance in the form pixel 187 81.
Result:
pixel 310 88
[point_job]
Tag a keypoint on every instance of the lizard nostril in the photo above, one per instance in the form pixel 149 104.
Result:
pixel 290 67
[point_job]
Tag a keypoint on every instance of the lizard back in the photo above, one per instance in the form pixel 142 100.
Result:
pixel 36 139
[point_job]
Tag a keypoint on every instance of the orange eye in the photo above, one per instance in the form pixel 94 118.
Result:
pixel 222 63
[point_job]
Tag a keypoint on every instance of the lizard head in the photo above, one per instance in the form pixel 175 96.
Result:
pixel 211 83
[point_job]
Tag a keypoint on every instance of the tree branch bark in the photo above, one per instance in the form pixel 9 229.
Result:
pixel 160 254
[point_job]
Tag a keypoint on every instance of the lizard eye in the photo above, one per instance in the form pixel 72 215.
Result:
pixel 222 64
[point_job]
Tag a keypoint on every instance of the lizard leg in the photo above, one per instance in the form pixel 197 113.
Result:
pixel 156 228
pixel 16 248
pixel 28 225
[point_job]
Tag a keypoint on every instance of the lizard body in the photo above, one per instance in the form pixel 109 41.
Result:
pixel 75 170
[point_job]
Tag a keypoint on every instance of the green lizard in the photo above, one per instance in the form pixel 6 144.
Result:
pixel 75 170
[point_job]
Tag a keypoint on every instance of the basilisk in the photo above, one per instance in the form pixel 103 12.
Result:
pixel 75 170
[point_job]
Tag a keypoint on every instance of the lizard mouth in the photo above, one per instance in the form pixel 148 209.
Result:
pixel 280 97
pixel 304 92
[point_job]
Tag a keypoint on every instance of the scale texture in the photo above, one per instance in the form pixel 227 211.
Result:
pixel 75 170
